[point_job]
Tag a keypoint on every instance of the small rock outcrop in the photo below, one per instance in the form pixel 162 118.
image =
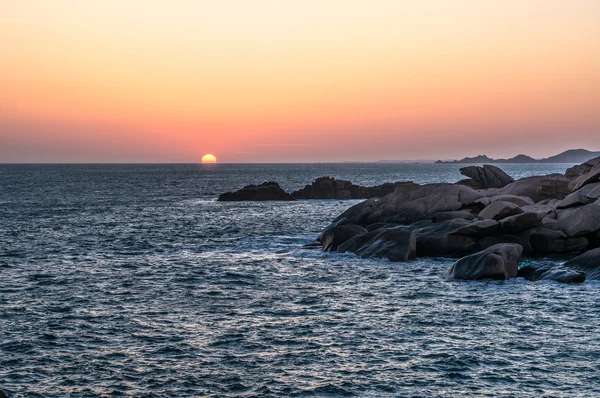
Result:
pixel 551 272
pixel 496 262
pixel 486 177
pixel 330 188
pixel 265 191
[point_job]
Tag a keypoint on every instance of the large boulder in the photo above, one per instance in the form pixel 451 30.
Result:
pixel 577 198
pixel 587 178
pixel 356 242
pixel 441 239
pixel 496 262
pixel 396 244
pixel 581 220
pixel 487 176
pixel 479 228
pixel 499 210
pixel 518 200
pixel 589 262
pixel 335 235
pixel 265 191
pixel 553 186
pixel 581 169
pixel 552 272
pixel 521 222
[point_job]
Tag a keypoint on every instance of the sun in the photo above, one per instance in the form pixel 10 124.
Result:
pixel 208 158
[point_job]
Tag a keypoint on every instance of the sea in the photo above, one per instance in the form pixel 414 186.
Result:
pixel 133 281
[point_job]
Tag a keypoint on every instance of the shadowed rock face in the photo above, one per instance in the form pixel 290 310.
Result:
pixel 265 191
pixel 486 177
pixel 496 262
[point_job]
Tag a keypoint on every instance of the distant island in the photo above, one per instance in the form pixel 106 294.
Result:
pixel 570 156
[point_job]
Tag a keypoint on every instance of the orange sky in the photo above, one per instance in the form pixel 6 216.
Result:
pixel 273 81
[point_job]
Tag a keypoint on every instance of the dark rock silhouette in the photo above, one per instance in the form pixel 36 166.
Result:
pixel 264 191
pixel 486 177
pixel 496 262
pixel 330 188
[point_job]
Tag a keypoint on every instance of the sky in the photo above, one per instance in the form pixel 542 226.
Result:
pixel 296 81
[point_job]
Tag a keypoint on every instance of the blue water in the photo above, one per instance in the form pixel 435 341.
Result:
pixel 131 280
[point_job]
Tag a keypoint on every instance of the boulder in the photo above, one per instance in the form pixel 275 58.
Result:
pixel 479 228
pixel 265 191
pixel 518 200
pixel 548 210
pixel 396 244
pixel 581 220
pixel 552 272
pixel 589 262
pixel 356 242
pixel 577 198
pixel 581 169
pixel 553 186
pixel 440 240
pixel 496 262
pixel 499 210
pixel 403 208
pixel 587 178
pixel 487 176
pixel 521 222
pixel 335 235
pixel 591 191
pixel 451 215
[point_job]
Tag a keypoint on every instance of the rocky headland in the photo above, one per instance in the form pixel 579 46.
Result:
pixel 490 223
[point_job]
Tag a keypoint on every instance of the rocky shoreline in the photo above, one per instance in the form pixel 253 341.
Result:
pixel 489 221
pixel 555 216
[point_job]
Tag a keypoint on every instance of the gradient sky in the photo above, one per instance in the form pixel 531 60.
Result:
pixel 296 81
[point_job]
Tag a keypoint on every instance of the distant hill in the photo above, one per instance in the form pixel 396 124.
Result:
pixel 570 156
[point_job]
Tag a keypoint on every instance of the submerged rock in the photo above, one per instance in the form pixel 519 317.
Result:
pixel 265 191
pixel 496 262
pixel 552 272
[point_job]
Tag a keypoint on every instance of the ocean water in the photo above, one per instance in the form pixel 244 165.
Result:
pixel 131 280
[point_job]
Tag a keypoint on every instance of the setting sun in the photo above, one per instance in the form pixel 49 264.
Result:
pixel 208 158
